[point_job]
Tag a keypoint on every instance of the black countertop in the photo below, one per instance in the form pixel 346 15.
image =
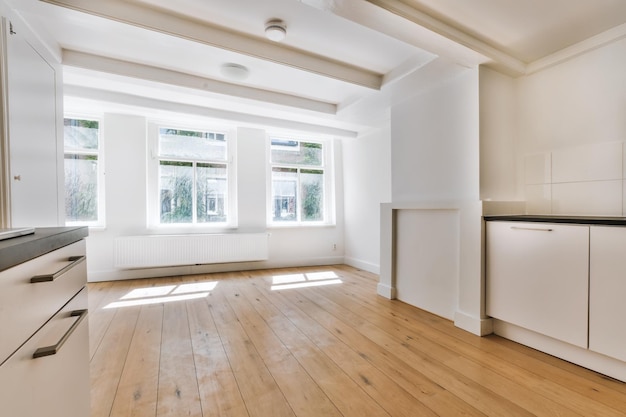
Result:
pixel 595 220
pixel 21 249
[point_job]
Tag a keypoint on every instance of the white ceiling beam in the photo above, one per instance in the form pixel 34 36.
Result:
pixel 189 109
pixel 501 59
pixel 205 33
pixel 146 72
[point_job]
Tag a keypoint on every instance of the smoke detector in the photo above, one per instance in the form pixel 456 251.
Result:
pixel 275 30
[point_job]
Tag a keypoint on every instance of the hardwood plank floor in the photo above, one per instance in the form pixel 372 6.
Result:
pixel 312 342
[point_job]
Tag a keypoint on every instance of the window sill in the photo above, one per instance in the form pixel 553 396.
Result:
pixel 196 229
pixel 301 226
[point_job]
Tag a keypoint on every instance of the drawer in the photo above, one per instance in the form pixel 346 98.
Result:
pixel 32 292
pixel 55 385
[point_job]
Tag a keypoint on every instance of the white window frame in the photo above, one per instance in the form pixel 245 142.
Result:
pixel 101 221
pixel 153 199
pixel 328 166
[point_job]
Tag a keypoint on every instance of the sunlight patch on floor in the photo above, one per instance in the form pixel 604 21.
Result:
pixel 164 294
pixel 310 279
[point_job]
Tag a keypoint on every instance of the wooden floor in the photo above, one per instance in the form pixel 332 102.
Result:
pixel 312 342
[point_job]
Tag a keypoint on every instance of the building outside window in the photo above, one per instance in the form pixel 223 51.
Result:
pixel 193 176
pixel 299 182
pixel 84 173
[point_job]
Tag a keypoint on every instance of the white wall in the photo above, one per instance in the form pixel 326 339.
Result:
pixel 434 152
pixel 572 116
pixel 577 102
pixel 125 141
pixel 498 124
pixel 367 184
pixel 435 212
pixel 535 129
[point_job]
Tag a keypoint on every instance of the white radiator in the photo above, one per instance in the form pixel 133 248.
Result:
pixel 172 250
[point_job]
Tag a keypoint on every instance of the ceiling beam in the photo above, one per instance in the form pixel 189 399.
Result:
pixel 208 34
pixel 501 59
pixel 179 79
pixel 245 119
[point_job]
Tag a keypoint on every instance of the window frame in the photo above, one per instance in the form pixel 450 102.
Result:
pixel 153 177
pixel 327 166
pixel 101 174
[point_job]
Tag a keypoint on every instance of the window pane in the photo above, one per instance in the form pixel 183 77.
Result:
pixel 296 153
pixel 80 135
pixel 312 195
pixel 211 192
pixel 81 188
pixel 175 189
pixel 284 194
pixel 192 144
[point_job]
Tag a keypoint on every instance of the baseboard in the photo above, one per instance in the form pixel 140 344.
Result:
pixel 475 325
pixel 364 265
pixel 386 291
pixel 583 357
pixel 125 274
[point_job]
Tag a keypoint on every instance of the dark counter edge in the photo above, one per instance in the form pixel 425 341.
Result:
pixel 45 239
pixel 589 220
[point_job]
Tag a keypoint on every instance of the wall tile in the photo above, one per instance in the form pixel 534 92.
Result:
pixel 624 197
pixel 537 168
pixel 597 198
pixel 595 162
pixel 624 160
pixel 538 199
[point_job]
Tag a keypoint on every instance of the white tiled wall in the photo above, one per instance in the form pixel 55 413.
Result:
pixel 581 180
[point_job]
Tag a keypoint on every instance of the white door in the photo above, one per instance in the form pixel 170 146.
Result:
pixel 33 152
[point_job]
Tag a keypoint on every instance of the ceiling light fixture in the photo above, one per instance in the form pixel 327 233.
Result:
pixel 234 71
pixel 275 30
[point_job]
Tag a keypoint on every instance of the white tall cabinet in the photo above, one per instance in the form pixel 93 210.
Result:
pixel 32 141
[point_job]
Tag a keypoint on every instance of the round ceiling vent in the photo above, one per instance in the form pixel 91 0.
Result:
pixel 234 71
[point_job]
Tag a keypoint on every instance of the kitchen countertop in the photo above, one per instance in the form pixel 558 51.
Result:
pixel 595 220
pixel 20 249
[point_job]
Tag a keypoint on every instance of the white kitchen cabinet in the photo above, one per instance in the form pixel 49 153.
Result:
pixel 44 344
pixel 607 291
pixel 52 385
pixel 537 277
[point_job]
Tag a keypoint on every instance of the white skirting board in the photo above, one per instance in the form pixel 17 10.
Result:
pixel 152 251
pixel 583 357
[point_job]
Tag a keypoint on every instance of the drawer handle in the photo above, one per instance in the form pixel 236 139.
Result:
pixel 54 349
pixel 536 229
pixel 51 277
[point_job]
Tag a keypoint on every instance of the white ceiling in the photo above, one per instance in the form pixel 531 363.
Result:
pixel 341 65
pixel 528 29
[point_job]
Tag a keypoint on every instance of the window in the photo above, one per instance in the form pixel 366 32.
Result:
pixel 193 181
pixel 84 174
pixel 300 182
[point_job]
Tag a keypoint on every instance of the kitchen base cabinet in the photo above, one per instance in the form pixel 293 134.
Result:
pixel 44 338
pixel 607 291
pixel 52 385
pixel 575 272
pixel 537 278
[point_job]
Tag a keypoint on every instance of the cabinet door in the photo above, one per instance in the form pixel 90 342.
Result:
pixel 62 279
pixel 537 278
pixel 607 291
pixel 33 151
pixel 56 385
